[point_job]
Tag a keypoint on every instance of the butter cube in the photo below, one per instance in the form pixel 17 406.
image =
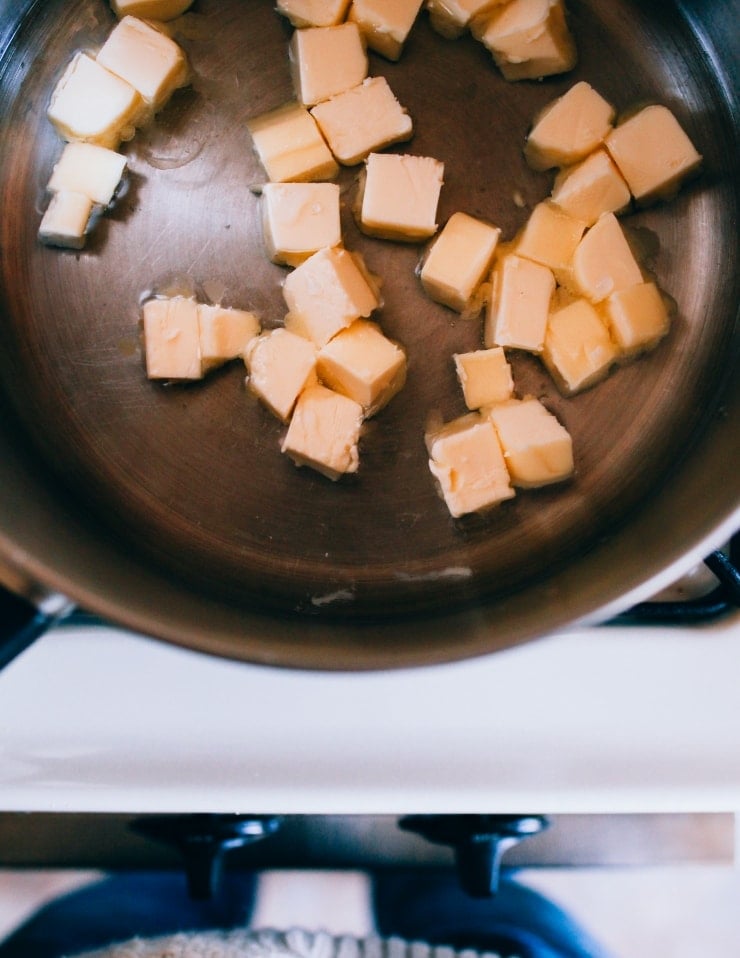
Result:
pixel 327 293
pixel 92 104
pixel 385 24
pixel 150 9
pixel 591 188
pixel 529 39
pixel 281 365
pixel 299 219
pixel 637 317
pixel 578 350
pixel 290 146
pixel 519 304
pixel 143 56
pixel 324 432
pixel 360 362
pixel 451 18
pixel 172 339
pixel 653 153
pixel 569 128
pixel 66 219
pixel 603 262
pixel 325 61
pixel 485 377
pixel 313 13
pixel 466 459
pixel 459 260
pixel 550 236
pixel 365 118
pixel 91 170
pixel 538 450
pixel 400 196
pixel 224 333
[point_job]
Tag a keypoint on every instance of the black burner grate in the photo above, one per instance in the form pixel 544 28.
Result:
pixel 723 598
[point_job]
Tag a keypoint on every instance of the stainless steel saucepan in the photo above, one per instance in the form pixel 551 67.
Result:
pixel 170 509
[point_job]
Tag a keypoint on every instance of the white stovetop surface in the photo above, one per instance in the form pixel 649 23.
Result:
pixel 609 719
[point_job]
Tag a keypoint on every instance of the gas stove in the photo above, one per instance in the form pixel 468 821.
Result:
pixel 614 745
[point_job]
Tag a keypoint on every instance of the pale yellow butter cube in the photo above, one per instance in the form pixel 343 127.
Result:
pixel 66 219
pixel 362 363
pixel 529 39
pixel 281 365
pixel 325 61
pixel 400 196
pixel 385 24
pixel 637 317
pixel 653 153
pixel 91 104
pixel 89 169
pixel 550 236
pixel 603 262
pixel 578 348
pixel 313 13
pixel 451 18
pixel 290 146
pixel 150 9
pixel 459 261
pixel 591 188
pixel 520 300
pixel 365 118
pixel 324 432
pixel 146 58
pixel 327 293
pixel 465 458
pixel 172 339
pixel 299 219
pixel 485 376
pixel 569 128
pixel 225 333
pixel 538 450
